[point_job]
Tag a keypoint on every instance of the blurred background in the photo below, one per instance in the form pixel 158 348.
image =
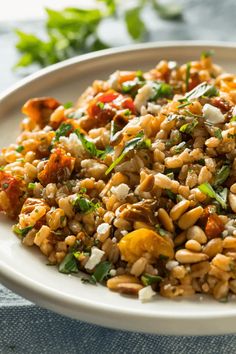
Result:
pixel 38 33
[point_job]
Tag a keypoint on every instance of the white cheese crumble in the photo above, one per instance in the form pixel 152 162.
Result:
pixel 94 259
pixel 112 272
pixel 234 111
pixel 143 95
pixel 120 191
pixel 153 108
pixel 72 144
pixel 212 114
pixel 103 228
pixel 146 293
pixel 113 80
pixel 171 264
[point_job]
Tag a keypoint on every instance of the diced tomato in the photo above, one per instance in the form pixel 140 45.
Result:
pixel 193 81
pixel 214 226
pixel 58 168
pixel 128 103
pixel 107 97
pixel 13 187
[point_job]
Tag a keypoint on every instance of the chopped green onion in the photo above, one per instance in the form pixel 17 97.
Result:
pixel 188 68
pixel 83 205
pixel 162 90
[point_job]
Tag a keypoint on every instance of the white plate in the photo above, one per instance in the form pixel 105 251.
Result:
pixel 23 269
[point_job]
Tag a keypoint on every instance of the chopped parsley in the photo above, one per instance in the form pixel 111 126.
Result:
pixel 222 175
pixel 221 197
pixel 233 119
pixel 162 90
pixel 20 148
pixel 68 265
pixel 31 185
pixel 5 185
pixel 83 205
pixel 101 105
pixel 90 147
pixel 149 279
pixel 101 273
pixel 68 105
pixel 139 142
pixel 188 128
pixel 218 134
pixel 203 89
pixel 63 130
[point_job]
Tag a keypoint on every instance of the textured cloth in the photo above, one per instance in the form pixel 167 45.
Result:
pixel 26 328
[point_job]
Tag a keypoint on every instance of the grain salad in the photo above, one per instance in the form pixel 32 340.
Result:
pixel 135 184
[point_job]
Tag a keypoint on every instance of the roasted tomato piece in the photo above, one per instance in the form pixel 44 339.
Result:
pixel 221 103
pixel 13 188
pixel 214 226
pixel 104 107
pixel 58 168
pixel 40 109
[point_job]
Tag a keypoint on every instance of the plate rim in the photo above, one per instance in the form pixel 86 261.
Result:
pixel 25 284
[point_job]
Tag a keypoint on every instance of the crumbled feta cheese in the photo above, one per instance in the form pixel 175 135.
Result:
pixel 114 239
pixel 153 108
pixel 112 272
pixel 103 228
pixel 146 293
pixel 212 114
pixel 124 232
pixel 94 259
pixel 120 191
pixel 171 264
pixel 72 144
pixel 143 95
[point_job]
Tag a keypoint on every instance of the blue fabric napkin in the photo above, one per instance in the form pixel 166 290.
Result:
pixel 28 329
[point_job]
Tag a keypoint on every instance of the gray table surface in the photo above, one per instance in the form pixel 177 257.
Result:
pixel 20 320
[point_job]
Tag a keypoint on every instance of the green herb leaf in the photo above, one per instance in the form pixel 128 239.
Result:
pixel 218 134
pixel 203 89
pixel 31 185
pixel 68 104
pixel 149 279
pixel 162 90
pixel 101 271
pixel 20 148
pixel 83 205
pixel 63 130
pixel 207 189
pixel 188 68
pixel 188 128
pixel 134 23
pixel 68 265
pixel 170 194
pixel 22 232
pixel 139 142
pixel 233 119
pixel 90 147
pixel 222 175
